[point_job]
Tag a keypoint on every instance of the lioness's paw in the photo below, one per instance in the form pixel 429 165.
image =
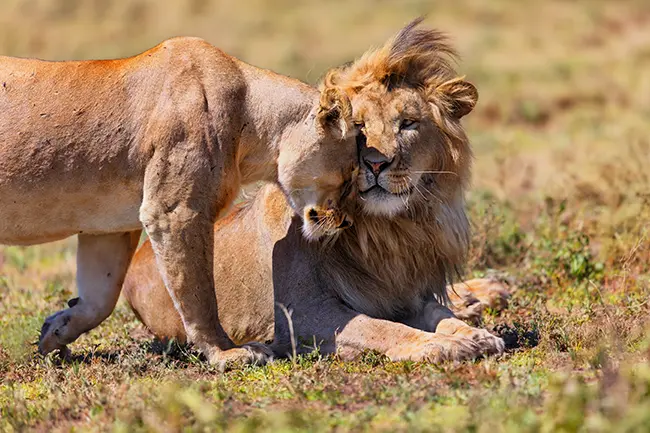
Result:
pixel 437 349
pixel 55 333
pixel 251 353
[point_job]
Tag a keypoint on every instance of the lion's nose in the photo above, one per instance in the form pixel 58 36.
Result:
pixel 376 166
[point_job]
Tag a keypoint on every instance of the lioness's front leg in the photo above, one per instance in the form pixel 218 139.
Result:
pixel 182 198
pixel 102 262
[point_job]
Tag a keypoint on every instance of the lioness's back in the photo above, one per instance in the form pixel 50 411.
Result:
pixel 75 137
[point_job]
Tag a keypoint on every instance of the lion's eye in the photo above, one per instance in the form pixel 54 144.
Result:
pixel 408 124
pixel 359 125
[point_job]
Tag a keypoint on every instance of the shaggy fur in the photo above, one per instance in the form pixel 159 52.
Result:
pixel 411 256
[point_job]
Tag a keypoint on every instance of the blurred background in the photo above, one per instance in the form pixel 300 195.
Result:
pixel 560 202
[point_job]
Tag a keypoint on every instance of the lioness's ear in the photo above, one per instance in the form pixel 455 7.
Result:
pixel 335 111
pixel 458 97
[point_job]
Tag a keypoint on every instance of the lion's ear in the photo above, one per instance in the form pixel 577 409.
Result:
pixel 458 97
pixel 335 111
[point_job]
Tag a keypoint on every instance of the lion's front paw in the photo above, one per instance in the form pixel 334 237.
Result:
pixel 251 353
pixel 437 349
pixel 489 344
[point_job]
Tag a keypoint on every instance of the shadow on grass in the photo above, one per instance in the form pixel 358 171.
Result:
pixel 518 335
pixel 170 350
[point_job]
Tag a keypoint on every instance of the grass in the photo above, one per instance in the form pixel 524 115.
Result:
pixel 560 208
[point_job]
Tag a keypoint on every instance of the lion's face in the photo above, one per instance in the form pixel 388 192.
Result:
pixel 407 103
pixel 405 158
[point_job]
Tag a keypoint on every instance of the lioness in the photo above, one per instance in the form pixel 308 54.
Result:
pixel 379 285
pixel 163 140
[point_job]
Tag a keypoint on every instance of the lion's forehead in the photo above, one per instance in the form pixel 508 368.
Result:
pixel 385 108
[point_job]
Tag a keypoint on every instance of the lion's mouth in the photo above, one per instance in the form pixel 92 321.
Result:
pixel 378 201
pixel 377 189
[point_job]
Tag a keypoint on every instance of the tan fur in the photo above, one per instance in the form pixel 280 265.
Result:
pixel 380 285
pixel 162 140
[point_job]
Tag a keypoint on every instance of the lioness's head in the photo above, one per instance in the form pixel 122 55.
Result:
pixel 407 102
pixel 318 165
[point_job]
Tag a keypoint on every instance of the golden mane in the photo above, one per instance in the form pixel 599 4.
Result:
pixel 416 57
pixel 394 263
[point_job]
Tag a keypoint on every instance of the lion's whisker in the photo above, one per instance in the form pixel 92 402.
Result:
pixel 416 188
pixel 434 172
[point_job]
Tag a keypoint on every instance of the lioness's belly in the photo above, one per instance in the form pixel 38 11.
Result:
pixel 55 211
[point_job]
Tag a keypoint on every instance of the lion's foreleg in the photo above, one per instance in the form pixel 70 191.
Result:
pixel 338 328
pixel 437 318
pixel 102 262
pixel 401 342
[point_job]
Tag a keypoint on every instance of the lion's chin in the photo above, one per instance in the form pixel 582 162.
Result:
pixel 379 202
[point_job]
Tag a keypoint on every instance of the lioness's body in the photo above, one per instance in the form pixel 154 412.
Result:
pixel 378 285
pixel 164 139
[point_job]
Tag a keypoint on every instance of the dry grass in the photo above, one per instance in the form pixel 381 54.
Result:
pixel 560 207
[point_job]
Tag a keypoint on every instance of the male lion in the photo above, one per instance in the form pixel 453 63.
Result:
pixel 379 285
pixel 162 140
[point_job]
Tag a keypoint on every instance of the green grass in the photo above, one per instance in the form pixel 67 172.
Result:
pixel 560 207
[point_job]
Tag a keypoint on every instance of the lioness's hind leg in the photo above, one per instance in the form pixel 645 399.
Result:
pixel 102 262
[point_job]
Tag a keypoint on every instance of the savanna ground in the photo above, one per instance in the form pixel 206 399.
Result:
pixel 560 209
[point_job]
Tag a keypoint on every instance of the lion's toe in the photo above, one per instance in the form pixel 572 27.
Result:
pixel 463 349
pixel 488 343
